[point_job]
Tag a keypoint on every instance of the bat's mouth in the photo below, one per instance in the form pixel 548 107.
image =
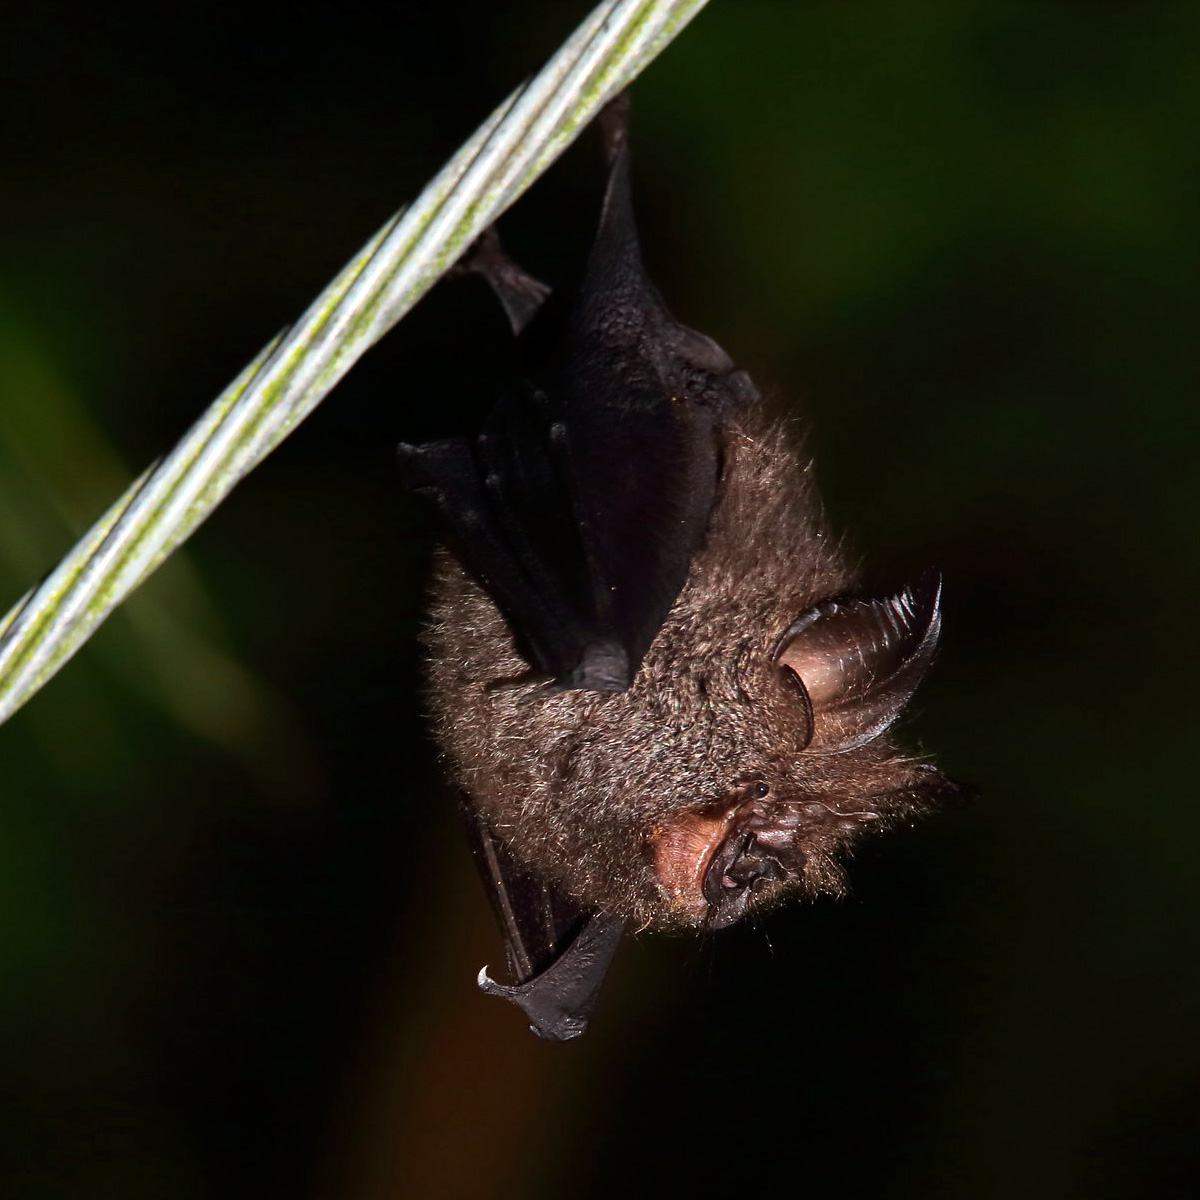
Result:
pixel 713 866
pixel 743 868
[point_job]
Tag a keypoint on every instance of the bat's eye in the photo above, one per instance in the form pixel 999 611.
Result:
pixel 761 790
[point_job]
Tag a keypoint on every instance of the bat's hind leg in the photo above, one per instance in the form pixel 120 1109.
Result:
pixel 614 124
pixel 519 293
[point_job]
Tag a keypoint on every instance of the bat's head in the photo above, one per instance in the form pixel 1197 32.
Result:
pixel 834 683
pixel 754 746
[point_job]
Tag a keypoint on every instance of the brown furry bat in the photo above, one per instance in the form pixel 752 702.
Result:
pixel 647 666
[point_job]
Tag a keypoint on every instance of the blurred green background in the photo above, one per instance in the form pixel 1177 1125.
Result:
pixel 238 929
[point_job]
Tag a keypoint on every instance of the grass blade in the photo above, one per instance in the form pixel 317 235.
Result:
pixel 295 371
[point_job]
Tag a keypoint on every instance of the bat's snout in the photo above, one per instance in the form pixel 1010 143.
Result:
pixel 744 866
pixel 714 866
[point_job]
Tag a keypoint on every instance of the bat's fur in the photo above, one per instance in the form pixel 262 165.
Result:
pixel 578 782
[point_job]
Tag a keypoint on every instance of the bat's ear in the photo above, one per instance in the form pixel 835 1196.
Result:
pixel 859 661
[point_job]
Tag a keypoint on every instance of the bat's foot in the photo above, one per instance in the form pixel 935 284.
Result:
pixel 519 293
pixel 614 124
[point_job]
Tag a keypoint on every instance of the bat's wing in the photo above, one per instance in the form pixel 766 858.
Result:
pixel 558 954
pixel 583 501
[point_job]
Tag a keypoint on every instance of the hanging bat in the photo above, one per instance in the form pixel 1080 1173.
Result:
pixel 657 689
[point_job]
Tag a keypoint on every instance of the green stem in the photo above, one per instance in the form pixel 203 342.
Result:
pixel 296 371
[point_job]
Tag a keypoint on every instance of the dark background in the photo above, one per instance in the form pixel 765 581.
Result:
pixel 238 928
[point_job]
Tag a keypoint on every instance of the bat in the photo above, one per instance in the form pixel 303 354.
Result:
pixel 652 676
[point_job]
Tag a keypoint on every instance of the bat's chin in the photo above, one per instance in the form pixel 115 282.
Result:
pixel 713 867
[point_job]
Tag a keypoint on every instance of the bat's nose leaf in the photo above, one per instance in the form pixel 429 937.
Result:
pixel 742 868
pixel 754 870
